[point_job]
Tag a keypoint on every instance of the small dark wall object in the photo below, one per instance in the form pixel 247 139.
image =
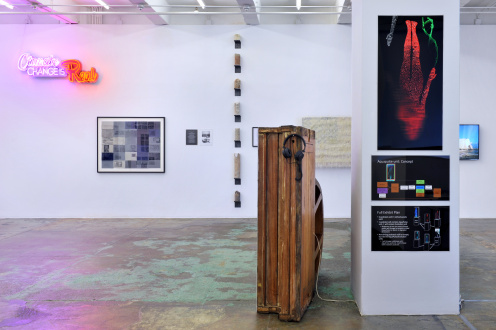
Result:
pixel 237 138
pixel 237 41
pixel 237 87
pixel 191 137
pixel 237 199
pixel 237 113
pixel 237 63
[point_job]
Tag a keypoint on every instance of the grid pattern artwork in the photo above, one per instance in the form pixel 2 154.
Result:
pixel 131 144
pixel 332 140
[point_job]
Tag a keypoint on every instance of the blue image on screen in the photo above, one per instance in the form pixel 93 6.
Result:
pixel 469 142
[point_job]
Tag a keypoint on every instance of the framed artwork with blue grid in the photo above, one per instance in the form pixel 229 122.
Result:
pixel 131 144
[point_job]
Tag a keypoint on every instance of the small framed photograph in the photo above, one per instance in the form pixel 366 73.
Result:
pixel 191 137
pixel 205 137
pixel 254 136
pixel 131 144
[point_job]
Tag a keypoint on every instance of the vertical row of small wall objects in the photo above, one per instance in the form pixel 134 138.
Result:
pixel 237 119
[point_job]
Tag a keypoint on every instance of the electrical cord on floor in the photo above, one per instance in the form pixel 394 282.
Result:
pixel 317 279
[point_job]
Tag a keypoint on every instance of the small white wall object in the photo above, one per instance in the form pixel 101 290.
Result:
pixel 237 169
pixel 237 112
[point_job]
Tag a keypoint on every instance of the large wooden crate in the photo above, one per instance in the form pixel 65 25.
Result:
pixel 290 224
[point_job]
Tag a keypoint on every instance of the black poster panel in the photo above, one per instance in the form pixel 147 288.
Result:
pixel 410 228
pixel 410 178
pixel 410 81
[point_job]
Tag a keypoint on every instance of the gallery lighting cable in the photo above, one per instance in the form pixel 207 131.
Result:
pixel 488 9
pixel 467 322
pixel 464 10
pixel 259 10
pixel 317 279
pixel 169 13
pixel 464 319
pixel 174 6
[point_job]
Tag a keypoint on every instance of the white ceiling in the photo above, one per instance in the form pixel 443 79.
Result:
pixel 231 12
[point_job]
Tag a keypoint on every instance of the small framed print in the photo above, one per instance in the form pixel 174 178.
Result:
pixel 254 136
pixel 131 144
pixel 205 137
pixel 191 137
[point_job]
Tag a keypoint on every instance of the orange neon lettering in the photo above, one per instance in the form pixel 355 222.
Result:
pixel 74 72
pixel 72 67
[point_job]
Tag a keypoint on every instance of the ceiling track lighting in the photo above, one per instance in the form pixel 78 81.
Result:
pixel 201 3
pixel 298 4
pixel 103 4
pixel 6 4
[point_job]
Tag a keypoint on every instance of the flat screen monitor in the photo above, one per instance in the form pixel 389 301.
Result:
pixel 469 141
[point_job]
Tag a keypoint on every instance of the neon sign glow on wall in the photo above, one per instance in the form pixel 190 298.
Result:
pixel 56 68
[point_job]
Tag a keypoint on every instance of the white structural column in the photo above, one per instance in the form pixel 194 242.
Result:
pixel 401 282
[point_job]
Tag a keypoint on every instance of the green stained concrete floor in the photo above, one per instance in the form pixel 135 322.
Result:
pixel 195 274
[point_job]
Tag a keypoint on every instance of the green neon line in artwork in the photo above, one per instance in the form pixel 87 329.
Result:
pixel 426 23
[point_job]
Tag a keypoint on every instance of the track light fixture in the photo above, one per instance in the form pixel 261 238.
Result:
pixel 298 4
pixel 6 4
pixel 103 4
pixel 201 3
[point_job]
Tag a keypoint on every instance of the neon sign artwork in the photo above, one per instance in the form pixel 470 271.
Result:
pixel 55 68
pixel 73 69
pixel 40 67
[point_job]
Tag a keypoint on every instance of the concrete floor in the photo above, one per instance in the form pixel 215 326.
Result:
pixel 195 274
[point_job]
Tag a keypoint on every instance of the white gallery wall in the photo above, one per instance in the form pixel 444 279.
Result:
pixel 477 106
pixel 48 138
pixel 186 74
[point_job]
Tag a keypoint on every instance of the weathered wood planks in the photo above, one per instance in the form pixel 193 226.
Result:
pixel 290 221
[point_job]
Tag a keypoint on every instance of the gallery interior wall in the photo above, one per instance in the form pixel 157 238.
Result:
pixel 477 86
pixel 186 74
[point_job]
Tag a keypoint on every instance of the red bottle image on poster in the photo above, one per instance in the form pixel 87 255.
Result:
pixel 410 83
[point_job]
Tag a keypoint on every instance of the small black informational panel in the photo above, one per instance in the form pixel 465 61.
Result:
pixel 410 177
pixel 191 137
pixel 410 228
